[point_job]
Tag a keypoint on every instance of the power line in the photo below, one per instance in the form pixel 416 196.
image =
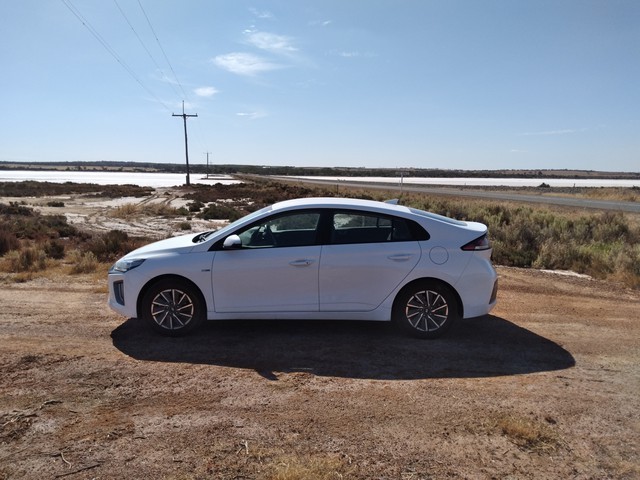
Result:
pixel 110 49
pixel 199 134
pixel 130 71
pixel 145 47
pixel 163 52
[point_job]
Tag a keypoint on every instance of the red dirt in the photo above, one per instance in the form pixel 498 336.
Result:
pixel 546 387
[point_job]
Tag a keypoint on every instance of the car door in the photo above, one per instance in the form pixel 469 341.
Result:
pixel 275 269
pixel 366 258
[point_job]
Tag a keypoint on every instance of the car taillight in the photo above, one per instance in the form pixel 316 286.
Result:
pixel 480 243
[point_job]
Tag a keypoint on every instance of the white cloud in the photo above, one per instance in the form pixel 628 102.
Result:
pixel 244 63
pixel 264 14
pixel 252 115
pixel 206 91
pixel 355 54
pixel 271 42
pixel 320 23
pixel 565 131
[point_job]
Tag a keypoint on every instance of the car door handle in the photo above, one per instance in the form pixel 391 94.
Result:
pixel 304 262
pixel 401 257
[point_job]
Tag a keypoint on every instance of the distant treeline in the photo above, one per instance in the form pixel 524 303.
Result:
pixel 230 169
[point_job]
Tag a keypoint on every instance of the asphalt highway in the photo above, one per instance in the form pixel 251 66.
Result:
pixel 631 207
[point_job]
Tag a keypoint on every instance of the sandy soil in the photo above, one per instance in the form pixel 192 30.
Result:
pixel 546 387
pixel 97 214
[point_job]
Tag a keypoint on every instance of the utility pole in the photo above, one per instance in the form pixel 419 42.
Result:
pixel 186 146
pixel 207 154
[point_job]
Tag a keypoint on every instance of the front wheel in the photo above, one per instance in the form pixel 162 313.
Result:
pixel 173 307
pixel 425 309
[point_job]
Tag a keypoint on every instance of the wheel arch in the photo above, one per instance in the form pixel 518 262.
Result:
pixel 459 304
pixel 160 278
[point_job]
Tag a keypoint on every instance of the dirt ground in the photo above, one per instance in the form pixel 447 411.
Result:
pixel 545 387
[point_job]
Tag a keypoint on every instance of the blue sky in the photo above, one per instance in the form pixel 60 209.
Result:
pixel 377 83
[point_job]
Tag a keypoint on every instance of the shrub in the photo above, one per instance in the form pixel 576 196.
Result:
pixel 603 245
pixel 14 208
pixel 83 262
pixel 8 242
pixel 195 206
pixel 162 210
pixel 58 226
pixel 54 249
pixel 55 204
pixel 110 245
pixel 124 211
pixel 184 226
pixel 30 224
pixel 32 188
pixel 27 260
pixel 220 212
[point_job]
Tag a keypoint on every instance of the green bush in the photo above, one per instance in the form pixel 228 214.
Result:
pixel 195 206
pixel 603 245
pixel 220 212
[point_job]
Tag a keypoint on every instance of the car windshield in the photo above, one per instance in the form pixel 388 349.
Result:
pixel 244 219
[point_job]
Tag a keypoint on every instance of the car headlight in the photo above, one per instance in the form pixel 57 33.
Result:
pixel 124 265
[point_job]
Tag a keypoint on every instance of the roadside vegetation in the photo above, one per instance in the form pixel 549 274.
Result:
pixel 31 242
pixel 31 188
pixel 604 245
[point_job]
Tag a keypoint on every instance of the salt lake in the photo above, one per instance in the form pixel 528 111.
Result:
pixel 486 182
pixel 143 179
pixel 155 180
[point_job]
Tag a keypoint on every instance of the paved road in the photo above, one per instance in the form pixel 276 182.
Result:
pixel 632 207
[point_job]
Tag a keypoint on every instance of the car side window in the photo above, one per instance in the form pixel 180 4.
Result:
pixel 295 229
pixel 358 227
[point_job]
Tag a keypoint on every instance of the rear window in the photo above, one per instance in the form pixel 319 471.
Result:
pixel 358 227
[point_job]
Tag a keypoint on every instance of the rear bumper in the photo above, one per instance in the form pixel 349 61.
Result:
pixel 478 288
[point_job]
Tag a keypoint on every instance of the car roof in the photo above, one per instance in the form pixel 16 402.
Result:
pixel 390 208
pixel 334 202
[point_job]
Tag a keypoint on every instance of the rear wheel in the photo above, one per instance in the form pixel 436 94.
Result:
pixel 425 309
pixel 173 307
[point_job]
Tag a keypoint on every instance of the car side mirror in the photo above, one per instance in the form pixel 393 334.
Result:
pixel 231 242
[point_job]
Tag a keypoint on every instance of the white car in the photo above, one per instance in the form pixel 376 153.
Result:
pixel 313 258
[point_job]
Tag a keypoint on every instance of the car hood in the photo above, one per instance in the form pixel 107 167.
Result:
pixel 180 244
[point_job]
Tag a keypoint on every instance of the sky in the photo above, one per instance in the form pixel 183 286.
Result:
pixel 453 84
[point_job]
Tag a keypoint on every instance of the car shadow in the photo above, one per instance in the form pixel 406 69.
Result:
pixel 484 347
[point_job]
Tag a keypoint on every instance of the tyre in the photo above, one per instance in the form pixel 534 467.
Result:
pixel 425 309
pixel 173 307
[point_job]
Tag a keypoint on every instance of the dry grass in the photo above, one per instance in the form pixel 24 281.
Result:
pixel 131 210
pixel 30 259
pixel 528 434
pixel 310 467
pixel 75 263
pixel 614 194
pixel 83 262
pixel 128 210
